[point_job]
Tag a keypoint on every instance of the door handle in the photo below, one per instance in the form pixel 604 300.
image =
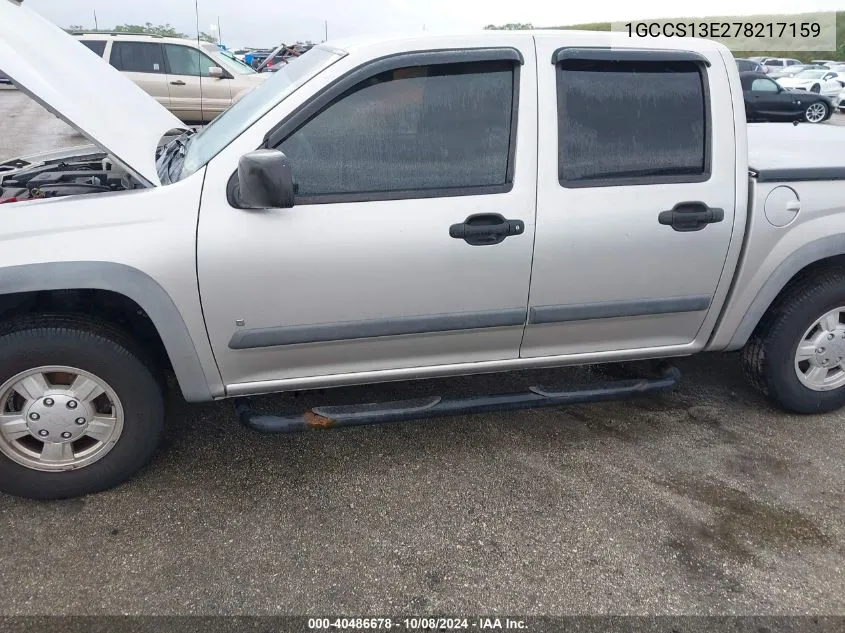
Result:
pixel 178 82
pixel 485 229
pixel 690 216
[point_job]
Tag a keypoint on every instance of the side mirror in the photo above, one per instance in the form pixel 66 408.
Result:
pixel 216 71
pixel 263 181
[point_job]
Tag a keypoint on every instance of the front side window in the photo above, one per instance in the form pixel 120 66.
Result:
pixel 138 57
pixel 182 60
pixel 764 85
pixel 227 61
pixel 211 140
pixel 631 122
pixel 419 128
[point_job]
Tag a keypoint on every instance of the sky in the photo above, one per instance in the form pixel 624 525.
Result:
pixel 264 23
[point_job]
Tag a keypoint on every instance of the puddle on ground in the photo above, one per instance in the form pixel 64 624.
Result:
pixel 740 525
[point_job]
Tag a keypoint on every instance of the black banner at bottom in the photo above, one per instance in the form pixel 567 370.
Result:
pixel 532 624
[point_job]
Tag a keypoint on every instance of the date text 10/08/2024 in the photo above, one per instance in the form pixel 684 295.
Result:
pixel 422 624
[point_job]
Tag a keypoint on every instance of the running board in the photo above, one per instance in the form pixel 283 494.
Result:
pixel 436 406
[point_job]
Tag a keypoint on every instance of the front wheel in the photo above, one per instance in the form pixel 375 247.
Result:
pixel 81 409
pixel 815 112
pixel 796 356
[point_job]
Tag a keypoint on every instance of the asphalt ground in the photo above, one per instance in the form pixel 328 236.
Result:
pixel 703 501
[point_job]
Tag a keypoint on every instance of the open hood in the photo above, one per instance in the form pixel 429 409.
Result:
pixel 76 85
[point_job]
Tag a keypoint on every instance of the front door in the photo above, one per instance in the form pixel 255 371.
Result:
pixel 771 100
pixel 194 93
pixel 384 262
pixel 636 197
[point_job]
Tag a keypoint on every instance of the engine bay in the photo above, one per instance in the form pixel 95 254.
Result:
pixel 93 173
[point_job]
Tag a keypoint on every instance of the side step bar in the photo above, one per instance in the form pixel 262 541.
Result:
pixel 435 406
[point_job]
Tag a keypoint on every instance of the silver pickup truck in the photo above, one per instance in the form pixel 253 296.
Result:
pixel 389 209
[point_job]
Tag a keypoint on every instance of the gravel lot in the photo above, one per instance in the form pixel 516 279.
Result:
pixel 705 501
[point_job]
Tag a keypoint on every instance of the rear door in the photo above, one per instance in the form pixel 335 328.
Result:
pixel 143 63
pixel 636 197
pixel 195 94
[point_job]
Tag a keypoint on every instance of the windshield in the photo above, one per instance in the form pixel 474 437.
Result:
pixel 229 125
pixel 811 74
pixel 227 61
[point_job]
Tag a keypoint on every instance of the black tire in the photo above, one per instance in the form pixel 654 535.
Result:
pixel 769 355
pixel 816 88
pixel 107 353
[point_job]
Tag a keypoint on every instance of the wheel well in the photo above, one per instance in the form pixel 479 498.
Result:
pixel 836 262
pixel 100 305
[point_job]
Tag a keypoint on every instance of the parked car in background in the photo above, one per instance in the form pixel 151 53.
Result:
pixel 195 81
pixel 281 55
pixel 748 65
pixel 4 78
pixel 820 81
pixel 790 71
pixel 766 100
pixel 777 63
pixel 825 62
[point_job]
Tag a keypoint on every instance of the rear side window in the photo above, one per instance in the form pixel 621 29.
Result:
pixel 415 129
pixel 98 46
pixel 631 122
pixel 139 57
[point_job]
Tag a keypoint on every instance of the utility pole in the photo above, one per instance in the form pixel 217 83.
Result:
pixel 326 30
pixel 219 32
pixel 96 24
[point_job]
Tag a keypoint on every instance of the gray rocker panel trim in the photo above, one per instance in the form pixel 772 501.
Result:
pixel 350 330
pixel 815 251
pixel 615 309
pixel 134 284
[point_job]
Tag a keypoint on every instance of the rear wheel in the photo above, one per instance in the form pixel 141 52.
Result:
pixel 816 112
pixel 796 356
pixel 81 409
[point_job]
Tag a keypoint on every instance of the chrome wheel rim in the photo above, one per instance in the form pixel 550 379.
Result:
pixel 57 418
pixel 820 357
pixel 815 113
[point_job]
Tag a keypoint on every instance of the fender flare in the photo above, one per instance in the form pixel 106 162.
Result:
pixel 810 253
pixel 137 286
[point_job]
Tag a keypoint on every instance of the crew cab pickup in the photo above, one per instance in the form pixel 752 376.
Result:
pixel 389 209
